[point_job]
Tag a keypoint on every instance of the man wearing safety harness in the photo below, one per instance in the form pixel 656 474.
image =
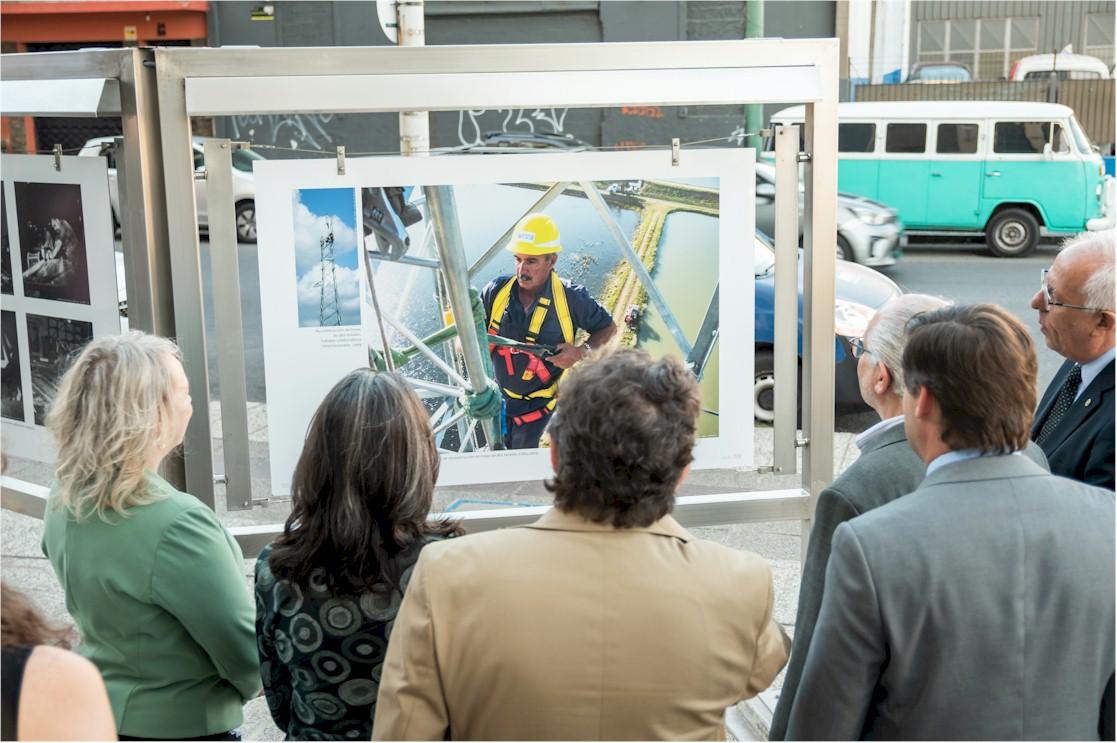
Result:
pixel 535 306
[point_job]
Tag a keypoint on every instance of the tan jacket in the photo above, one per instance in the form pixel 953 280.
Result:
pixel 567 629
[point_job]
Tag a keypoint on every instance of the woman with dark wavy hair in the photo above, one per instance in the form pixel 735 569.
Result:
pixel 327 590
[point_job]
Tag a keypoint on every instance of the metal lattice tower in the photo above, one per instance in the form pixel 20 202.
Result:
pixel 329 308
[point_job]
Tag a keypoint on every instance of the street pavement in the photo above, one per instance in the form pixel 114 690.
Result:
pixel 960 273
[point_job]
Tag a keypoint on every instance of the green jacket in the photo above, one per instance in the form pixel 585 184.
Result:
pixel 164 612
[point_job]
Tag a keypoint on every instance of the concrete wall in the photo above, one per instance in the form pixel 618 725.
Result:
pixel 470 22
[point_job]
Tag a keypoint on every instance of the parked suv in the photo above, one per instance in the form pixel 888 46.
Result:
pixel 244 185
pixel 868 232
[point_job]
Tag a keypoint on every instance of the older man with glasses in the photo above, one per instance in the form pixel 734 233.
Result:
pixel 1074 422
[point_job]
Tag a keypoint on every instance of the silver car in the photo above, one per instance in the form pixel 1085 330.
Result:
pixel 869 232
pixel 244 186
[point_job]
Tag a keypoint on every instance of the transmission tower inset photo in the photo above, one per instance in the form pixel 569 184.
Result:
pixel 326 257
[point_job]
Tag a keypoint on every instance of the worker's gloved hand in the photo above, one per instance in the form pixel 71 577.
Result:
pixel 482 405
pixel 567 355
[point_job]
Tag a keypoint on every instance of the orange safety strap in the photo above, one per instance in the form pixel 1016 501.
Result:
pixel 534 415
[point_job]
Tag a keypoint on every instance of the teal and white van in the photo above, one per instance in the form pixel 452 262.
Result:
pixel 1008 170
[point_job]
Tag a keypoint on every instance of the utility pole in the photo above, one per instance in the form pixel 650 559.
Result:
pixel 754 29
pixel 414 126
pixel 872 37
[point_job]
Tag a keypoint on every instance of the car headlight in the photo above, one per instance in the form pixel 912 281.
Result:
pixel 851 319
pixel 872 216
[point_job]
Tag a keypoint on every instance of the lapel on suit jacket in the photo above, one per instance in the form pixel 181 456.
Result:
pixel 1085 406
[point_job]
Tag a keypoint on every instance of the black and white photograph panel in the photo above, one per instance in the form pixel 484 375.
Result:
pixel 52 343
pixel 11 379
pixel 52 241
pixel 5 249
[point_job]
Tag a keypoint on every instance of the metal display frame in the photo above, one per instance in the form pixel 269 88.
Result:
pixel 161 221
pixel 95 83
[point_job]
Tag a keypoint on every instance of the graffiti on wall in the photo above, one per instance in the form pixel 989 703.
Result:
pixel 473 124
pixel 297 131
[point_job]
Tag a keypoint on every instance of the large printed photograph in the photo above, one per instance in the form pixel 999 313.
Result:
pixel 562 258
pixel 559 285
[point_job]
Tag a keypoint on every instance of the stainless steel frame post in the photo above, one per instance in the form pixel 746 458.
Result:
pixel 786 300
pixel 186 270
pixel 224 264
pixel 820 245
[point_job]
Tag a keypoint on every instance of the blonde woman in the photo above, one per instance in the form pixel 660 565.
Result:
pixel 152 579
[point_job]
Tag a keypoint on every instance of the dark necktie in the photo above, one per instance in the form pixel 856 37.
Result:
pixel 1062 404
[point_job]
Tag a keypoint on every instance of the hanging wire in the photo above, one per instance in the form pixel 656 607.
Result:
pixel 463 148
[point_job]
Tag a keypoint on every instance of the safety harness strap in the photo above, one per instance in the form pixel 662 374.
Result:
pixel 534 415
pixel 500 304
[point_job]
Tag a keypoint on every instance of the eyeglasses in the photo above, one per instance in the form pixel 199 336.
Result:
pixel 858 346
pixel 1048 302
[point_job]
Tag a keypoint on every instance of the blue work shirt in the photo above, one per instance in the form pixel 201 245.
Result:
pixel 585 313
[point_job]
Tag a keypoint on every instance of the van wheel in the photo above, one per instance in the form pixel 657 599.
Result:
pixel 1012 233
pixel 845 252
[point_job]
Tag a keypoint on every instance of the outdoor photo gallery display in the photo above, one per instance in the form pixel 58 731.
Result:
pixel 691 225
pixel 58 285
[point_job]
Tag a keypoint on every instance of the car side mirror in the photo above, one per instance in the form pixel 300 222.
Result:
pixel 766 190
pixel 1048 154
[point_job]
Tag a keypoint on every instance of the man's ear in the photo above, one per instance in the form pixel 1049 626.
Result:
pixel 1106 321
pixel 925 403
pixel 884 379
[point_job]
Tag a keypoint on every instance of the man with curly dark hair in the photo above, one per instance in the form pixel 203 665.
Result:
pixel 604 619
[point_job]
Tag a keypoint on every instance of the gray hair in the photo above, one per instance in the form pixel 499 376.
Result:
pixel 1097 291
pixel 888 336
pixel 107 417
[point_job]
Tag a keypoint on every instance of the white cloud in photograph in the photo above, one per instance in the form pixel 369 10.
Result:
pixel 348 296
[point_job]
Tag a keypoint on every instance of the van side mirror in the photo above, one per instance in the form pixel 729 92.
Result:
pixel 1047 152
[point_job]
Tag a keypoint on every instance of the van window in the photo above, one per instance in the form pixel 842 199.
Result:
pixel 957 139
pixel 1026 137
pixel 1063 75
pixel 906 138
pixel 857 137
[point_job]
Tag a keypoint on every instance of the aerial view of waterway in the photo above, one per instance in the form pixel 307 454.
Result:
pixel 686 272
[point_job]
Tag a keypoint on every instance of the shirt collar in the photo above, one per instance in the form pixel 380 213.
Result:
pixel 556 520
pixel 885 425
pixel 1091 369
pixel 961 455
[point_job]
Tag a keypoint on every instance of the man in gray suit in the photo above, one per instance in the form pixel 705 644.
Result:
pixel 886 469
pixel 980 606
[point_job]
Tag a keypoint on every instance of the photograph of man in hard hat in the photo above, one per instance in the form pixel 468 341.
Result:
pixel 537 308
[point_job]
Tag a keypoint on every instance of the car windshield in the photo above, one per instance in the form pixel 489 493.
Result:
pixel 242 159
pixel 763 259
pixel 947 74
pixel 1080 139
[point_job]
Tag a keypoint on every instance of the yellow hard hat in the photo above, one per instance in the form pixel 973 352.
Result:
pixel 535 234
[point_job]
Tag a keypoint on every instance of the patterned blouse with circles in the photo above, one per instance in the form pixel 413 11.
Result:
pixel 321 652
